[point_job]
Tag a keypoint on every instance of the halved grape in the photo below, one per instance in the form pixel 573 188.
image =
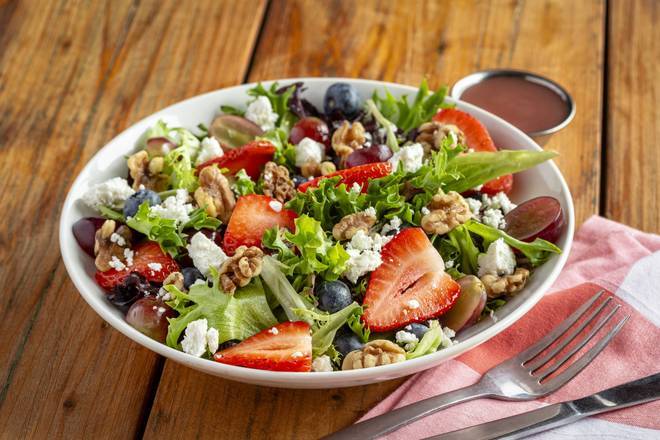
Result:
pixel 234 131
pixel 467 309
pixel 540 217
pixel 312 128
pixel 160 146
pixel 149 316
pixel 84 231
pixel 373 154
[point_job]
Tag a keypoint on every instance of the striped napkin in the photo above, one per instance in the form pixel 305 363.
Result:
pixel 605 255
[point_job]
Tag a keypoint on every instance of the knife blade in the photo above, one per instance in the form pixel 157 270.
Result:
pixel 628 394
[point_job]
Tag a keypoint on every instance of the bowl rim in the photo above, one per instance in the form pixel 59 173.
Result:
pixel 298 379
pixel 468 81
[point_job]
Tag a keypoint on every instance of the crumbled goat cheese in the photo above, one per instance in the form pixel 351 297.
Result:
pixel 371 211
pixel 274 331
pixel 425 210
pixel 361 241
pixel 413 304
pixel 449 264
pixel 117 239
pixel 322 364
pixel 411 156
pixel 309 151
pixel 213 339
pixel 155 266
pixel 174 207
pixel 297 354
pixel 447 336
pixel 116 263
pixel 275 205
pixel 393 225
pixel 499 259
pixel 110 193
pixel 128 256
pixel 494 218
pixel 403 337
pixel 475 207
pixel 163 294
pixel 360 263
pixel 477 188
pixel 194 339
pixel 260 111
pixel 205 253
pixel 498 201
pixel 210 149
pixel 356 188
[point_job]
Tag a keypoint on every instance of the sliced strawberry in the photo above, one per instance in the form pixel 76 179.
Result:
pixel 252 216
pixel 361 175
pixel 501 184
pixel 144 254
pixel 410 285
pixel 476 134
pixel 285 347
pixel 251 157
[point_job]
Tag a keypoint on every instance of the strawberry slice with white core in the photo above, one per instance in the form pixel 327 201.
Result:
pixel 284 347
pixel 410 285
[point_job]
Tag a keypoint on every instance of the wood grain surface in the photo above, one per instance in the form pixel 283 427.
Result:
pixel 632 183
pixel 65 90
pixel 75 73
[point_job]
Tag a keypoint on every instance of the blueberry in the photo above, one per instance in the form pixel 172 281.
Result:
pixel 298 180
pixel 132 288
pixel 417 329
pixel 347 341
pixel 333 296
pixel 190 275
pixel 342 100
pixel 132 203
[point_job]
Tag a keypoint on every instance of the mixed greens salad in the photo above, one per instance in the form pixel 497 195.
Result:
pixel 287 237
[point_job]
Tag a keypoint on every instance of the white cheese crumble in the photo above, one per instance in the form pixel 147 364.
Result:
pixel 116 263
pixel 275 205
pixel 413 304
pixel 111 193
pixel 194 339
pixel 498 201
pixel 447 337
pixel 494 218
pixel 163 294
pixel 475 207
pixel 393 225
pixel 260 111
pixel 128 256
pixel 155 266
pixel 309 151
pixel 322 364
pixel 205 253
pixel 117 239
pixel 449 264
pixel 425 210
pixel 274 331
pixel 411 156
pixel 364 254
pixel 356 188
pixel 210 149
pixel 174 207
pixel 213 339
pixel 499 259
pixel 403 337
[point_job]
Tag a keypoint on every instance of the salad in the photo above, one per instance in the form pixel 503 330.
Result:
pixel 286 237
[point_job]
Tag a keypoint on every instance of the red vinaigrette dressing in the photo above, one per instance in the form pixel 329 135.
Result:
pixel 530 106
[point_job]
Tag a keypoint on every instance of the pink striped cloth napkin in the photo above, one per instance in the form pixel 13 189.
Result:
pixel 605 255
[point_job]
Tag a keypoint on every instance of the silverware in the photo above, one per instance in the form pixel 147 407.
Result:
pixel 628 394
pixel 518 378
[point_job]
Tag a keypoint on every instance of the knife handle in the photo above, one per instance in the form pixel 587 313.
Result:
pixel 628 394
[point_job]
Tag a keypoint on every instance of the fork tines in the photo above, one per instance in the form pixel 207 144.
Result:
pixel 541 367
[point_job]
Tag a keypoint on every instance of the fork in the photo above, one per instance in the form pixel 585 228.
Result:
pixel 519 378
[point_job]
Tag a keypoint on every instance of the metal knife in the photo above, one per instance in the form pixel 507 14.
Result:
pixel 628 394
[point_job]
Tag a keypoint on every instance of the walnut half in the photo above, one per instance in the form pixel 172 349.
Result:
pixel 432 134
pixel 238 270
pixel 277 183
pixel 497 286
pixel 214 194
pixel 147 173
pixel 347 138
pixel 109 243
pixel 350 224
pixel 373 354
pixel 446 212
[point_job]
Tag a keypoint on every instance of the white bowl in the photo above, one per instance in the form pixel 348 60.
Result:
pixel 544 179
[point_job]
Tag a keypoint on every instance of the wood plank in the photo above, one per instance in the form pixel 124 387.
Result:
pixel 402 42
pixel 633 120
pixel 65 90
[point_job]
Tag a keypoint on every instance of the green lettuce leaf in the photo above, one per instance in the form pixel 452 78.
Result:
pixel 111 214
pixel 475 169
pixel 461 239
pixel 432 341
pixel 389 126
pixel 237 316
pixel 358 327
pixel 244 184
pixel 537 251
pixel 325 325
pixel 279 102
pixel 282 290
pixel 179 168
pixel 161 230
pixel 199 219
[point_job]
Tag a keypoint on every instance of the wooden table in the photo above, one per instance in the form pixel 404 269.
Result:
pixel 74 73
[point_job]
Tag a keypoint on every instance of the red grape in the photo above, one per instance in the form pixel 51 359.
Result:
pixel 467 309
pixel 149 316
pixel 373 154
pixel 84 231
pixel 160 146
pixel 234 131
pixel 312 128
pixel 540 217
